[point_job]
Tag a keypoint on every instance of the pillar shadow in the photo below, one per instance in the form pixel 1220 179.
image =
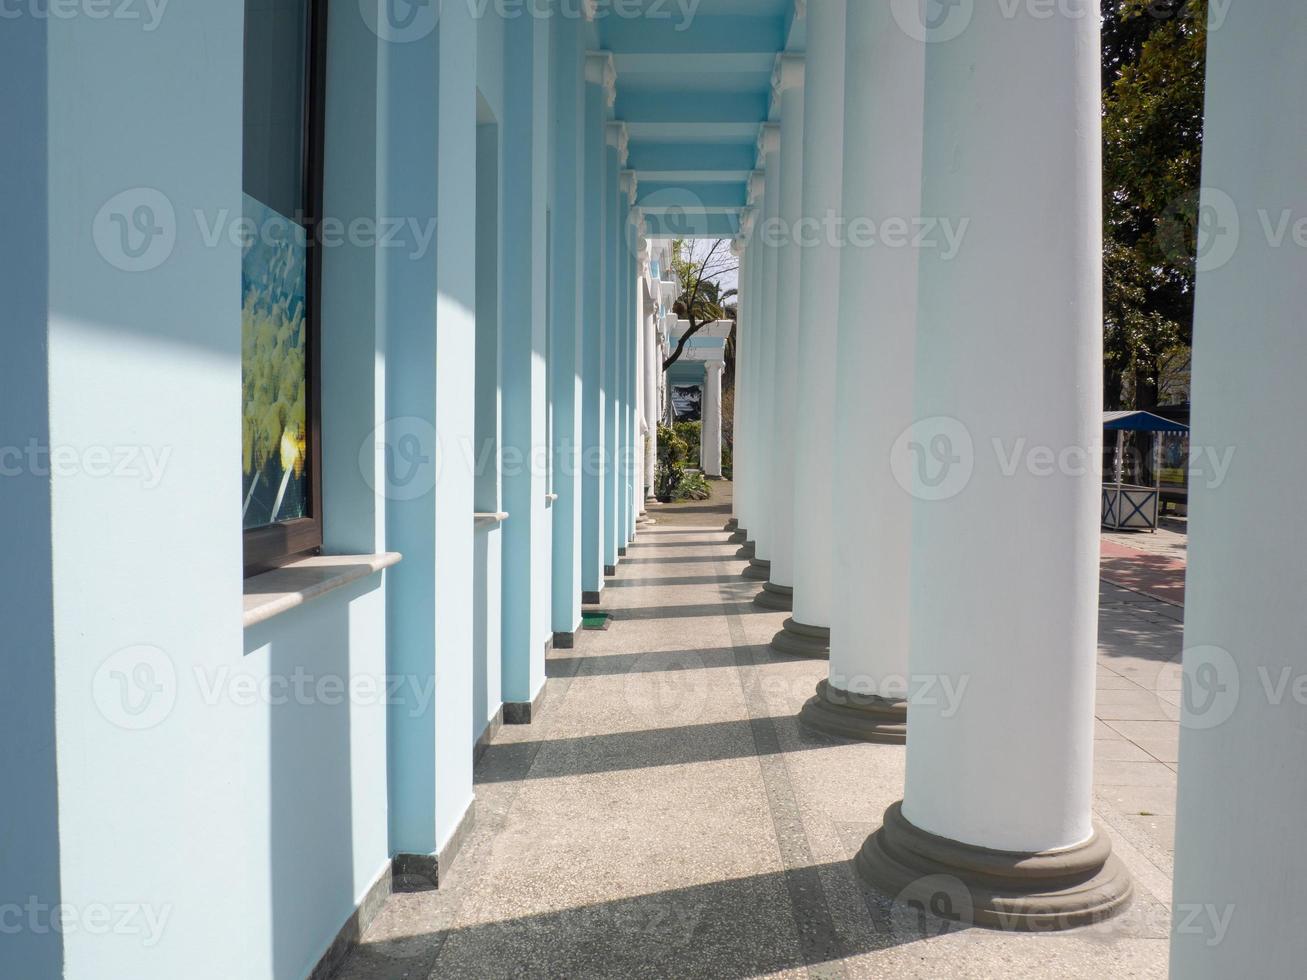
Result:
pixel 639 583
pixel 759 925
pixel 647 749
pixel 652 662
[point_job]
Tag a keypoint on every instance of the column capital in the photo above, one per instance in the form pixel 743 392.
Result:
pixel 748 217
pixel 616 135
pixel 769 141
pixel 787 73
pixel 630 182
pixel 600 69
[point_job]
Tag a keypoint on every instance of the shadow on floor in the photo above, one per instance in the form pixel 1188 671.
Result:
pixel 645 749
pixel 597 665
pixel 642 583
pixel 744 605
pixel 758 925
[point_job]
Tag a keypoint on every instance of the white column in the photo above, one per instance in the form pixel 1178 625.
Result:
pixel 787 86
pixel 884 85
pixel 1004 582
pixel 754 450
pixel 652 369
pixel 637 449
pixel 1238 852
pixel 768 183
pixel 808 632
pixel 710 442
pixel 739 427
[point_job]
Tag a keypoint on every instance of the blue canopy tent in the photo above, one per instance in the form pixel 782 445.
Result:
pixel 1126 506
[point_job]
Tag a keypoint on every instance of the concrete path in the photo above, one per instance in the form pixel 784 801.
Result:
pixel 667 817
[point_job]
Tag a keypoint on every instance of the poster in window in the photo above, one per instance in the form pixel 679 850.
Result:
pixel 687 402
pixel 274 368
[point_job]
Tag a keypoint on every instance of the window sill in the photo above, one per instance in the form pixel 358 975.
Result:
pixel 291 586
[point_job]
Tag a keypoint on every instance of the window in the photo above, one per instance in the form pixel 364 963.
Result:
pixel 280 280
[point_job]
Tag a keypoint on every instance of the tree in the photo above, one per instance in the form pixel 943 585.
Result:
pixel 699 268
pixel 1154 60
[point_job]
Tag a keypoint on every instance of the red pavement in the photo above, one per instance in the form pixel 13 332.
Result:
pixel 1152 574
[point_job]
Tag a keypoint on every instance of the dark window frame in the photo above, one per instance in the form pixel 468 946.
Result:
pixel 277 544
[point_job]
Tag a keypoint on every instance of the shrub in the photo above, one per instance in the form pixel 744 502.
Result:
pixel 692 435
pixel 672 452
pixel 694 486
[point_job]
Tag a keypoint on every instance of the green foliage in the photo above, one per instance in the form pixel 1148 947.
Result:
pixel 691 433
pixel 728 463
pixel 671 480
pixel 694 486
pixel 672 453
pixel 1154 62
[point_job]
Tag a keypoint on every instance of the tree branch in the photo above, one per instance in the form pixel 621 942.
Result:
pixel 695 325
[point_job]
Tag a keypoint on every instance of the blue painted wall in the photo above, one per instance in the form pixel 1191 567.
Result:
pixel 29 834
pixel 614 208
pixel 566 313
pixel 594 269
pixel 525 613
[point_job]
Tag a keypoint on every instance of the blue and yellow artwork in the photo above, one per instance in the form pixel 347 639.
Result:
pixel 274 367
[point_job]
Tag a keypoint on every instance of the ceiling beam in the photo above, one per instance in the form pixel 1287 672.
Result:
pixel 699 35
pixel 688 225
pixel 709 157
pixel 706 107
pixel 707 195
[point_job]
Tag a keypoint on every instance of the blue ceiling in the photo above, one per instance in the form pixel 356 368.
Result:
pixel 693 86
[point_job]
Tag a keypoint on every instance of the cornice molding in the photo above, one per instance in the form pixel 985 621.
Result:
pixel 600 69
pixel 787 73
pixel 616 136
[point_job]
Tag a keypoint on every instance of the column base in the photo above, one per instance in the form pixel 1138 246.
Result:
pixel 779 598
pixel 747 551
pixel 759 569
pixel 797 640
pixel 1040 891
pixel 861 717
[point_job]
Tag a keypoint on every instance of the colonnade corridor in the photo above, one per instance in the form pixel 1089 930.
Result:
pixel 668 816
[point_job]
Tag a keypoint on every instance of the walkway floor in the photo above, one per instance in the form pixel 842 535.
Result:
pixel 667 817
